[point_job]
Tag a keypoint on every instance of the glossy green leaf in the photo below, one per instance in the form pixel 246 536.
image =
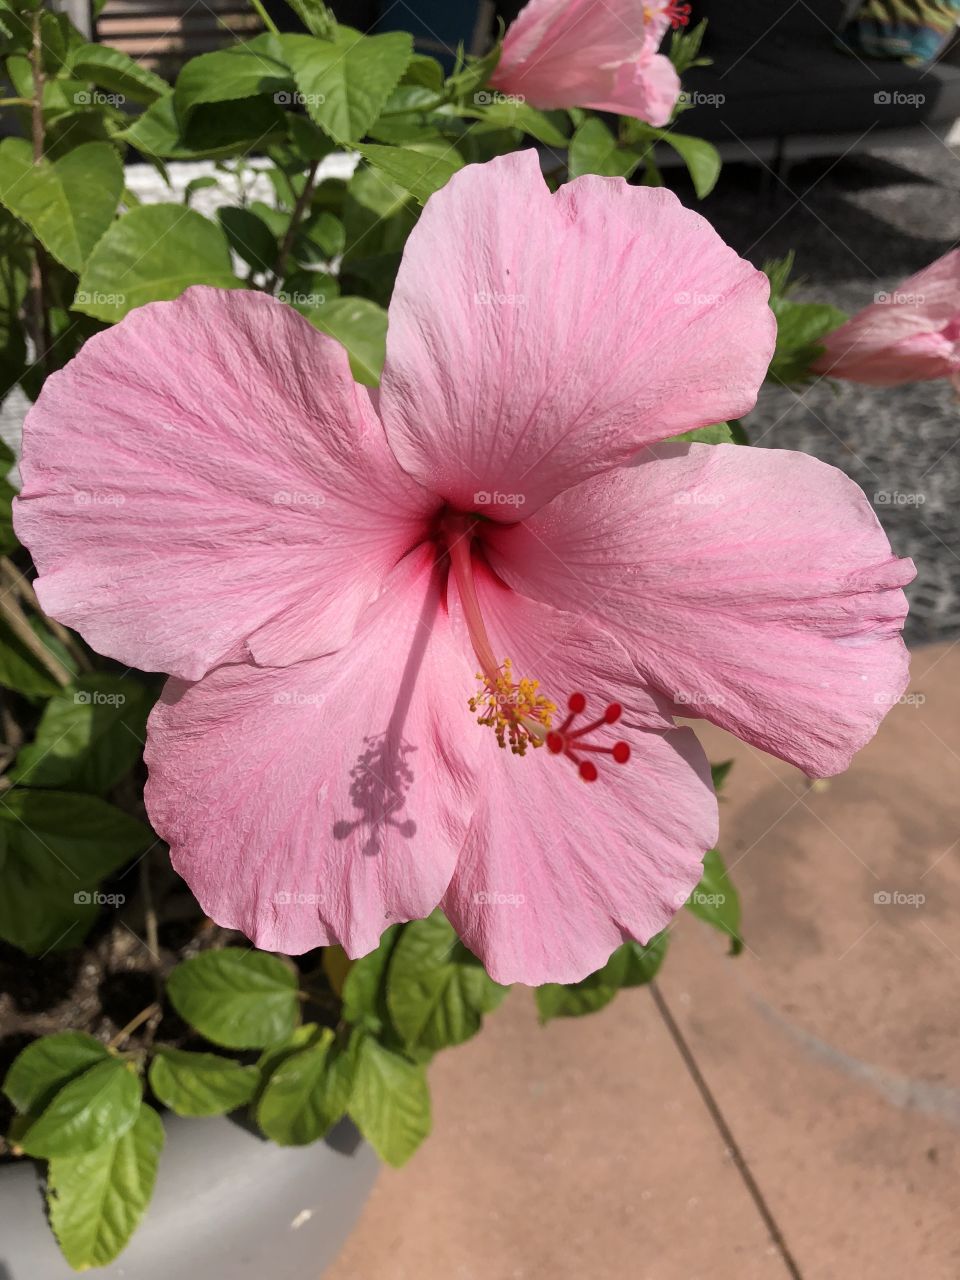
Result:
pixel 360 326
pixel 97 1106
pixel 59 846
pixel 631 965
pixel 344 83
pixel 719 433
pixel 68 204
pixel 201 1084
pixel 96 1199
pixel 238 999
pixel 701 158
pixel 390 1102
pixel 152 253
pixel 249 237
pixel 716 901
pixel 421 170
pixel 437 992
pixel 303 1098
pixel 241 71
pixel 46 1065
pixel 114 71
pixel 89 735
pixel 364 991
pixel 594 149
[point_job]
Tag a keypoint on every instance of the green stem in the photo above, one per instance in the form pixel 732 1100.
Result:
pixel 265 18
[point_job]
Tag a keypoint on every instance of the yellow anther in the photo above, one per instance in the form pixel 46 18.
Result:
pixel 513 709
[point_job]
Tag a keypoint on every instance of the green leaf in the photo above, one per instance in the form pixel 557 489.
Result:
pixel 201 1084
pixel 716 901
pixel 214 130
pixel 345 82
pixel 249 237
pixel 45 1066
pixel 360 326
pixel 152 253
pixel 390 1102
pixel 546 127
pixel 719 433
pixel 437 992
pixel 421 169
pixel 364 991
pixel 594 149
pixel 67 204
pixel 719 773
pixel 800 326
pixel 59 847
pixel 302 1098
pixel 97 1106
pixel 89 736
pixel 631 965
pixel 241 71
pixel 701 158
pixel 113 70
pixel 238 999
pixel 97 1199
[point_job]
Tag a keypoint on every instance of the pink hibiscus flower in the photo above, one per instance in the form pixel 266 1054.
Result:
pixel 593 53
pixel 910 335
pixel 208 492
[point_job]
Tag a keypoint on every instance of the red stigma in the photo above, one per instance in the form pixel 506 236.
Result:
pixel 679 14
pixel 568 742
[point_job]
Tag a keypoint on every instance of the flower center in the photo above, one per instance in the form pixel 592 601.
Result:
pixel 514 708
pixel 678 14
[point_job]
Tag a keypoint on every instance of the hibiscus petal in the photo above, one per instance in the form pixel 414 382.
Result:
pixel 207 472
pixel 557 872
pixel 322 802
pixel 754 587
pixel 521 362
pixel 909 335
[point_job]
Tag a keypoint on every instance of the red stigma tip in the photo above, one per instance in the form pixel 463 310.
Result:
pixel 679 14
pixel 570 742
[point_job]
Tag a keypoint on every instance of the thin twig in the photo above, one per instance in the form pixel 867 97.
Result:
pixel 21 628
pixel 24 589
pixel 151 1011
pixel 303 202
pixel 41 319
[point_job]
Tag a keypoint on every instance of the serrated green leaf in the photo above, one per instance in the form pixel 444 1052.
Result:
pixel 716 901
pixel 364 991
pixel 360 326
pixel 60 845
pixel 545 126
pixel 631 965
pixel 719 433
pixel 701 158
pixel 214 130
pixel 113 70
pixel 420 169
pixel 98 1106
pixel 241 71
pixel 594 149
pixel 45 1066
pixel 302 1098
pixel 390 1102
pixel 437 992
pixel 201 1084
pixel 345 82
pixel 89 736
pixel 800 326
pixel 153 253
pixel 97 1199
pixel 249 237
pixel 69 203
pixel 238 999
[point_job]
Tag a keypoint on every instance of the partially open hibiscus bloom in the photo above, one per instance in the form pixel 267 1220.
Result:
pixel 909 335
pixel 426 646
pixel 593 53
